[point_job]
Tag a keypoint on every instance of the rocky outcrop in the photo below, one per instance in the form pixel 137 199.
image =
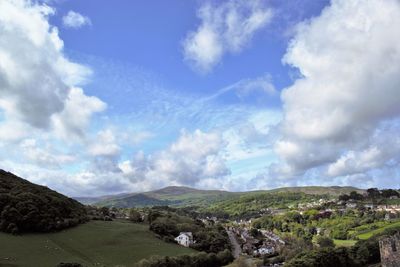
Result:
pixel 390 251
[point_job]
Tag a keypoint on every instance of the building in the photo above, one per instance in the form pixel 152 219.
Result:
pixel 184 239
pixel 264 251
pixel 390 251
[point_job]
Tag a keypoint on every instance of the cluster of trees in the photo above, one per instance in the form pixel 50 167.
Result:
pixel 167 224
pixel 99 213
pixel 27 207
pixel 201 259
pixel 363 253
pixel 371 194
pixel 251 204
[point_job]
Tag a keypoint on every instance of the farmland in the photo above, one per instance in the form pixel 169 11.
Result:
pixel 98 243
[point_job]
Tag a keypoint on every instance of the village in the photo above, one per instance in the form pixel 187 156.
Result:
pixel 266 235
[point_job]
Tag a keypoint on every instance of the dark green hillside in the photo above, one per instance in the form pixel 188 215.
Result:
pixel 27 207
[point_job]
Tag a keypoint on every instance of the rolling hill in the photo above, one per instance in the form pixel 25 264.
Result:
pixel 180 196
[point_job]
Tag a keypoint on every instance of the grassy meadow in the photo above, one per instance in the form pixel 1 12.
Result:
pixel 344 243
pixel 97 243
pixel 368 234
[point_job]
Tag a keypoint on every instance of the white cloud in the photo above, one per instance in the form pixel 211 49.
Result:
pixel 227 27
pixel 349 59
pixel 75 20
pixel 38 83
pixel 105 144
pixel 191 159
pixel 78 110
pixel 47 158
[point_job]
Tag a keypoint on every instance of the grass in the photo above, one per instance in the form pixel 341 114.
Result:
pixel 367 235
pixel 96 243
pixel 344 243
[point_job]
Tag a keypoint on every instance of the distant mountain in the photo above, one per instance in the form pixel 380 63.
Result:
pixel 186 196
pixel 171 195
pixel 27 207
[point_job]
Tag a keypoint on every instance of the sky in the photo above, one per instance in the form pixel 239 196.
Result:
pixel 100 98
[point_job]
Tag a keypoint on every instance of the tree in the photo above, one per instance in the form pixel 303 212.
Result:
pixel 373 193
pixel 135 216
pixel 324 242
pixel 356 196
pixel 387 193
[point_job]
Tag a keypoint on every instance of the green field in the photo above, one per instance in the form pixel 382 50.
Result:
pixel 344 243
pixel 96 243
pixel 367 235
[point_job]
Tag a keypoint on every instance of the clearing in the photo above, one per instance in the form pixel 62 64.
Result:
pixel 96 243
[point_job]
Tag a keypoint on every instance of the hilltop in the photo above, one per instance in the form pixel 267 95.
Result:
pixel 28 207
pixel 187 196
pixel 171 196
pixel 318 190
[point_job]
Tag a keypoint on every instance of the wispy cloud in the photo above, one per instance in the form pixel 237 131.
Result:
pixel 224 28
pixel 75 20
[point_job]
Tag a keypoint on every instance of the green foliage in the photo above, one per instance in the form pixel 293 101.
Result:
pixel 363 253
pixel 135 216
pixel 26 207
pixel 201 259
pixel 69 264
pixel 250 204
pixel 168 224
pixel 327 257
pixel 324 242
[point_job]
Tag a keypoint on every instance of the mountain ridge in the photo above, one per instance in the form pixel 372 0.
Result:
pixel 183 195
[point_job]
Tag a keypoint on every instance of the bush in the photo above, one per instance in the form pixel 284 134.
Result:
pixel 201 259
pixel 62 264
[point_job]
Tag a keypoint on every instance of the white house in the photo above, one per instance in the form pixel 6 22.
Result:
pixel 264 251
pixel 184 239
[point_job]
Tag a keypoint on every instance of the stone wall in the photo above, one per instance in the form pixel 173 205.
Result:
pixel 390 251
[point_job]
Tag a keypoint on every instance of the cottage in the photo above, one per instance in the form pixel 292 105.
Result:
pixel 184 239
pixel 264 251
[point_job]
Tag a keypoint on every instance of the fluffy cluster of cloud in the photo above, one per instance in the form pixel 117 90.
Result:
pixel 38 83
pixel 194 159
pixel 75 20
pixel 337 113
pixel 224 28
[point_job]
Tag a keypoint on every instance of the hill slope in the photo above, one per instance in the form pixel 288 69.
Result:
pixel 27 207
pixel 172 196
pixel 318 190
pixel 96 243
pixel 186 196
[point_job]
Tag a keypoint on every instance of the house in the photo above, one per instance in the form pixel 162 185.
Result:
pixel 351 205
pixel 184 239
pixel 389 216
pixel 264 251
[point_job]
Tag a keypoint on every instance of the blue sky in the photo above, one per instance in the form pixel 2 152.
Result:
pixel 235 95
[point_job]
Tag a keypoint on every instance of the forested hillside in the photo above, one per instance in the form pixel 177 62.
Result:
pixel 180 196
pixel 27 207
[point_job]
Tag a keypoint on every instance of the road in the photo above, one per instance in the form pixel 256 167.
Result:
pixel 236 249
